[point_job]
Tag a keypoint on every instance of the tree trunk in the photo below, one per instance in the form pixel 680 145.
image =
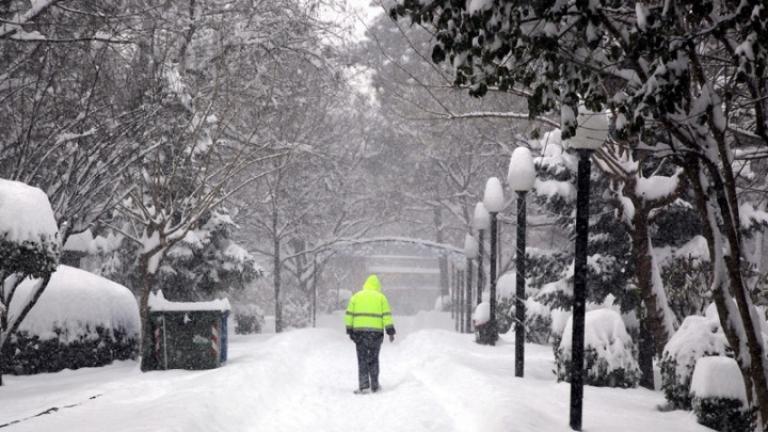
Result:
pixel 645 352
pixel 443 260
pixel 642 253
pixel 147 282
pixel 276 276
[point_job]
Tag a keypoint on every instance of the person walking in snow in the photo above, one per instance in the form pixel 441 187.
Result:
pixel 368 317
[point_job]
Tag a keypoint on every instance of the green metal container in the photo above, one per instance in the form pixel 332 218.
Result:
pixel 185 339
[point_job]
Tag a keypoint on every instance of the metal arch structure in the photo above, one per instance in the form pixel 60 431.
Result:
pixel 432 249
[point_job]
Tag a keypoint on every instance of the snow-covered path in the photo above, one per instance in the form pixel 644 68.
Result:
pixel 433 380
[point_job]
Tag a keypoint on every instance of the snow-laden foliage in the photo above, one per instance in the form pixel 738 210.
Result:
pixel 684 271
pixel 719 399
pixel 538 320
pixel 609 353
pixel 206 262
pixel 684 80
pixel 697 337
pixel 80 320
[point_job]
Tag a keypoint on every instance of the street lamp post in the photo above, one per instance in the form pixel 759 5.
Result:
pixel 589 136
pixel 521 177
pixel 481 222
pixel 470 251
pixel 493 200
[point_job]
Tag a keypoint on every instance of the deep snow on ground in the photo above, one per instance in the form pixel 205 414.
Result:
pixel 302 380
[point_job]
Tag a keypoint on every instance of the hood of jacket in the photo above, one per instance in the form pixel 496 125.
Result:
pixel 372 283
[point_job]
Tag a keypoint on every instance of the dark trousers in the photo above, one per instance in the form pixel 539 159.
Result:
pixel 368 345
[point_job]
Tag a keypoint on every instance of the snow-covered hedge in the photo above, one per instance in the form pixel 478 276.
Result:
pixel 80 320
pixel 719 396
pixel 609 358
pixel 29 240
pixel 697 337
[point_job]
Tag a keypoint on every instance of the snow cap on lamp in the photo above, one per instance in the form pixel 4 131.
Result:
pixel 592 130
pixel 493 198
pixel 522 173
pixel 471 248
pixel 482 219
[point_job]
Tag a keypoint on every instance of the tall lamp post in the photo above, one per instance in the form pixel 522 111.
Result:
pixel 470 251
pixel 590 135
pixel 521 177
pixel 493 200
pixel 481 222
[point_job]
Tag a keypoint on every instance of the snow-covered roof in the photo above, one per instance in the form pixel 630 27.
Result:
pixel 157 302
pixel 76 302
pixel 25 213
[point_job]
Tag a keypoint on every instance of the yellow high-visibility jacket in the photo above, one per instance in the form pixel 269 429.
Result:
pixel 368 309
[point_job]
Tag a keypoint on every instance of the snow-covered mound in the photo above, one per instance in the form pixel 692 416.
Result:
pixel 718 377
pixel 80 320
pixel 609 358
pixel 482 313
pixel 697 337
pixel 74 304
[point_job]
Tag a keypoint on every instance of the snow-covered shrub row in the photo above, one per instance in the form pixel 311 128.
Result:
pixel 29 242
pixel 609 353
pixel 719 396
pixel 697 337
pixel 80 320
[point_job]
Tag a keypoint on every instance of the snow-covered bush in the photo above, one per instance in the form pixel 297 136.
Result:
pixel 29 242
pixel 538 322
pixel 80 320
pixel 609 358
pixel 697 337
pixel 248 319
pixel 719 396
pixel 505 314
